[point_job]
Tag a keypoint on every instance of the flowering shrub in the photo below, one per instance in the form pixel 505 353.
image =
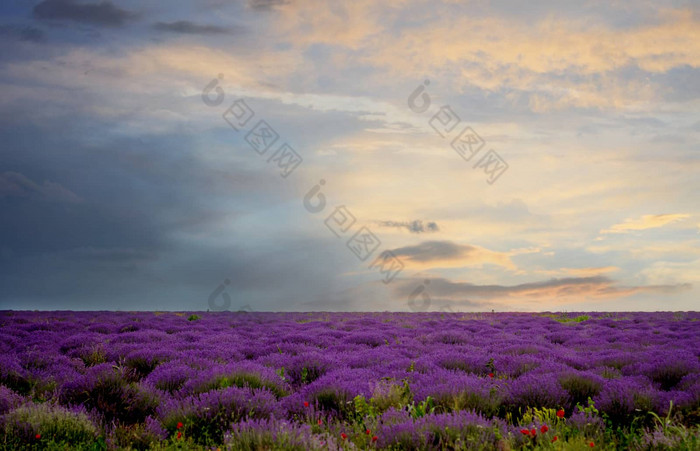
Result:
pixel 348 381
pixel 276 434
pixel 29 424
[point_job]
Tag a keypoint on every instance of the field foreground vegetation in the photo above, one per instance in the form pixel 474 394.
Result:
pixel 254 381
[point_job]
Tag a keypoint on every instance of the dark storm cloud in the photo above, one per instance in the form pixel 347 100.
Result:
pixel 132 223
pixel 104 13
pixel 83 197
pixel 416 226
pixel 22 33
pixel 109 254
pixel 13 184
pixel 187 27
pixel 33 226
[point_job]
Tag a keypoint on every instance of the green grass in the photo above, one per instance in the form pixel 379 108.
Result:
pixel 564 318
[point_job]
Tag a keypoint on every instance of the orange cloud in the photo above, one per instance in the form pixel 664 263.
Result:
pixel 581 272
pixel 560 62
pixel 645 222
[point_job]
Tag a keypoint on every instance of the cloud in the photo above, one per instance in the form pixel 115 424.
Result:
pixel 581 272
pixel 416 226
pixel 545 63
pixel 266 4
pixel 23 33
pixel 187 27
pixel 372 296
pixel 667 272
pixel 298 68
pixel 645 222
pixel 103 13
pixel 109 254
pixel 553 290
pixel 14 184
pixel 447 254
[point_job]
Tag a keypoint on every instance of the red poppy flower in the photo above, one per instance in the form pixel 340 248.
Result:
pixel 544 428
pixel 533 432
pixel 320 422
pixel 179 435
pixel 38 436
pixel 368 431
pixel 560 413
pixel 179 425
pixel 525 432
pixel 554 439
pixel 375 438
pixel 490 374
pixel 343 435
pixel 306 403
pixel 591 444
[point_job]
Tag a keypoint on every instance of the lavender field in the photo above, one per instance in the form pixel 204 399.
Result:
pixel 253 381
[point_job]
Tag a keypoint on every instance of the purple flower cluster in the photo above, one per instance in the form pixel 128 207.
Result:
pixel 273 376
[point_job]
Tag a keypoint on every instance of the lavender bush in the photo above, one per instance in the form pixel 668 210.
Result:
pixel 195 380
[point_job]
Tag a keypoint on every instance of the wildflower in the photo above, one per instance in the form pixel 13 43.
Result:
pixel 306 403
pixel 38 436
pixel 179 435
pixel 179 425
pixel 343 435
pixel 533 432
pixel 560 413
pixel 368 431
pixel 544 428
pixel 375 438
pixel 491 375
pixel 320 422
pixel 554 439
pixel 591 444
pixel 525 432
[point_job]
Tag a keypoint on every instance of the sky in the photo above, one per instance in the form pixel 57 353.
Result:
pixel 273 155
